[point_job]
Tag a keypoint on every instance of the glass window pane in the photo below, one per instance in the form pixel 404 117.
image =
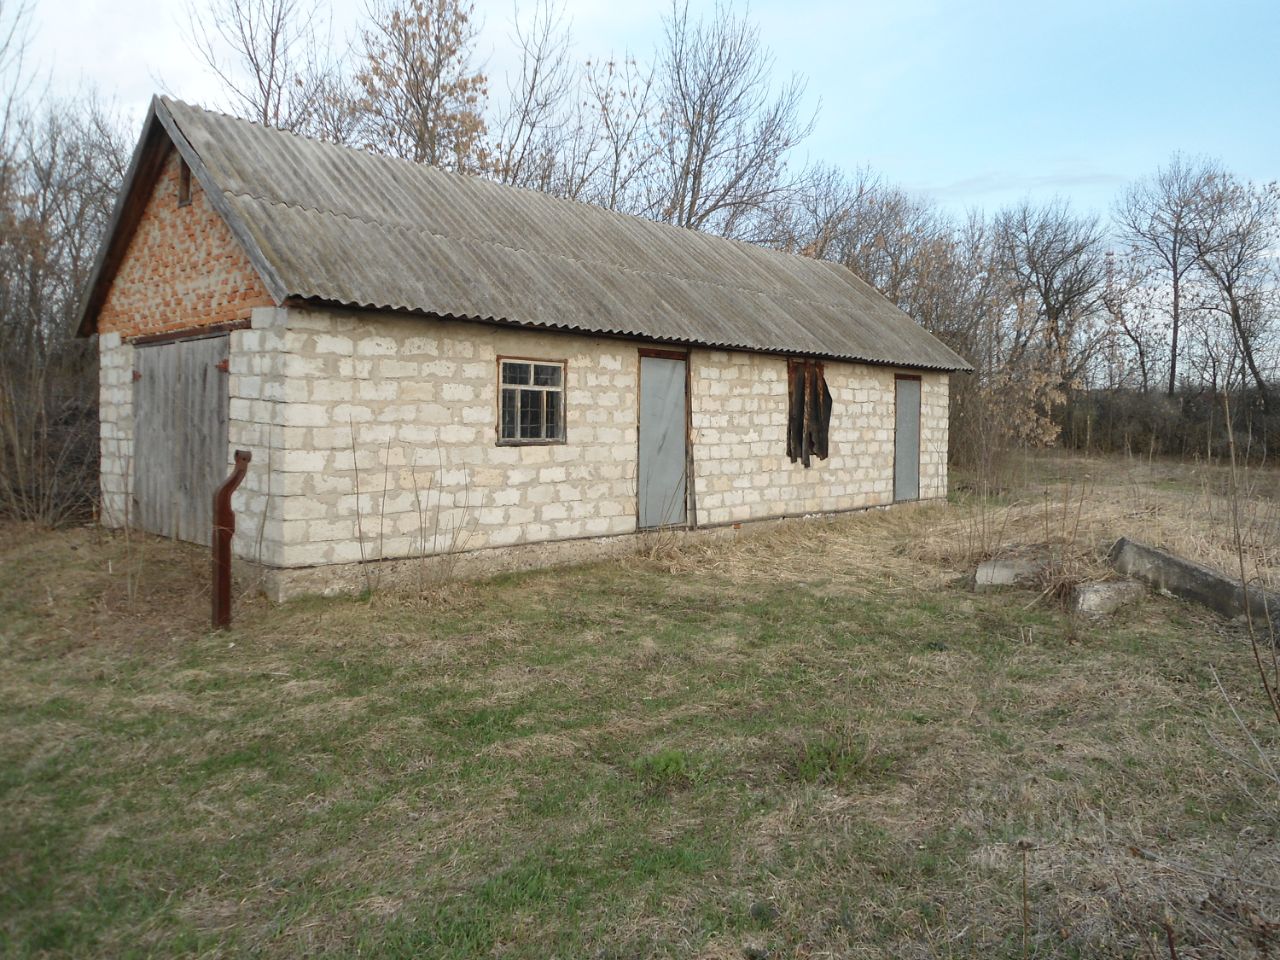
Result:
pixel 546 375
pixel 510 409
pixel 531 414
pixel 517 373
pixel 555 422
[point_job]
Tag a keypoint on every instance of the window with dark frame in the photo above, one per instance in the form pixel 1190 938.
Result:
pixel 184 183
pixel 808 411
pixel 531 401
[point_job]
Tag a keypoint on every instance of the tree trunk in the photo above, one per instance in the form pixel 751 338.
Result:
pixel 1173 345
pixel 1246 348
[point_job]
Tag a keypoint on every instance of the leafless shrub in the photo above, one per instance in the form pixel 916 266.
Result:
pixel 59 171
pixel 532 124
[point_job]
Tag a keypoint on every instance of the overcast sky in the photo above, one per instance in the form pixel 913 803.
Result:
pixel 976 103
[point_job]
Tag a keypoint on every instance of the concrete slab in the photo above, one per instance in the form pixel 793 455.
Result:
pixel 1101 599
pixel 998 574
pixel 1177 577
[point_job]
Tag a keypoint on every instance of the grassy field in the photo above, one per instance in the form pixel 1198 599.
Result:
pixel 812 741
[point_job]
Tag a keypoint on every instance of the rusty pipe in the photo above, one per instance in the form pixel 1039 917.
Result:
pixel 224 526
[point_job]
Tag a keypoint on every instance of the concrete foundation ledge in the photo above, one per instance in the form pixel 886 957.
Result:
pixel 409 575
pixel 1177 577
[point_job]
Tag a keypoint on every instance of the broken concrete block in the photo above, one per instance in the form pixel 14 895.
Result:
pixel 1104 599
pixel 996 574
pixel 1181 578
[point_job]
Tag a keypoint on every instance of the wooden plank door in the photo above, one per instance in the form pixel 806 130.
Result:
pixel 906 439
pixel 180 435
pixel 661 477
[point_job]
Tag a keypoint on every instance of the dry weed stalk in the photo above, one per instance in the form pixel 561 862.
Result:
pixel 1269 689
pixel 422 521
pixel 382 510
pixel 355 471
pixel 437 552
pixel 443 547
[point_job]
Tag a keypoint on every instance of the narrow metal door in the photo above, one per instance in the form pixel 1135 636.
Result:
pixel 180 436
pixel 906 440
pixel 663 452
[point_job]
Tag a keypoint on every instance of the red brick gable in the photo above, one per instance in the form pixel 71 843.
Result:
pixel 182 268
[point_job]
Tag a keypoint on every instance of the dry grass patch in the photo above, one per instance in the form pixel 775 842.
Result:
pixel 808 741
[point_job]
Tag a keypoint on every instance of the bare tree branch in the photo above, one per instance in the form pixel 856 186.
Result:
pixel 726 135
pixel 267 55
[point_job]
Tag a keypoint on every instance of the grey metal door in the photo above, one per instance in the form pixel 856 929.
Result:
pixel 180 440
pixel 906 440
pixel 663 450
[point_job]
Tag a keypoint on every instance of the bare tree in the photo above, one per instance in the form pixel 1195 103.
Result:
pixel 419 95
pixel 66 165
pixel 1054 266
pixel 615 148
pixel 726 136
pixel 336 115
pixel 892 237
pixel 267 54
pixel 1154 217
pixel 532 122
pixel 1134 333
pixel 1234 229
pixel 817 218
pixel 15 21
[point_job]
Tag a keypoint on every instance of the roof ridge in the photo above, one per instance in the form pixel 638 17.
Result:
pixel 580 266
pixel 488 184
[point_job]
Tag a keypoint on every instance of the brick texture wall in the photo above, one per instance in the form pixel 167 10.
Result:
pixel 115 427
pixel 379 433
pixel 374 437
pixel 183 267
pixel 739 420
pixel 935 426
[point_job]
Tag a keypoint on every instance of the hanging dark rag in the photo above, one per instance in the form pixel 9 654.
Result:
pixel 810 411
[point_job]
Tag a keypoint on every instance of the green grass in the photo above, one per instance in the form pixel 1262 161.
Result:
pixel 756 749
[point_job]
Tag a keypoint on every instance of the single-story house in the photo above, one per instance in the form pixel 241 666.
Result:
pixel 423 362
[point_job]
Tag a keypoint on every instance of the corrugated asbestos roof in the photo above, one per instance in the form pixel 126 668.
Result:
pixel 339 225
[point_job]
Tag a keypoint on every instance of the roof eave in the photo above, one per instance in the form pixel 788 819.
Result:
pixel 142 173
pixel 960 365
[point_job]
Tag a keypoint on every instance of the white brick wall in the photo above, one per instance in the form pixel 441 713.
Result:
pixel 741 469
pixel 115 427
pixel 404 410
pixel 260 393
pixel 374 436
pixel 935 420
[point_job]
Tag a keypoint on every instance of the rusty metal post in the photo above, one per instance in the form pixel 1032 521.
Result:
pixel 224 525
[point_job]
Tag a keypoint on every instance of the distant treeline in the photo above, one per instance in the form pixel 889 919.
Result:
pixel 1191 424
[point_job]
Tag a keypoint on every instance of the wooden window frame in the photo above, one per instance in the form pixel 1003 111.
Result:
pixel 664 354
pixel 563 390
